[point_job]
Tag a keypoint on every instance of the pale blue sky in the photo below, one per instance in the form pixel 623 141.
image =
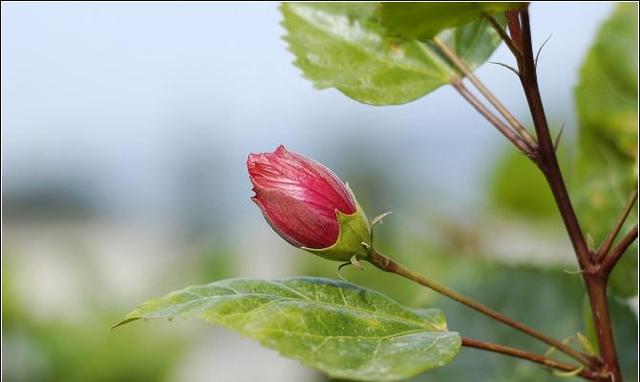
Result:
pixel 120 98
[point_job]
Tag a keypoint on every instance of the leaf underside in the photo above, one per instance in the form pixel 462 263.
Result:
pixel 425 20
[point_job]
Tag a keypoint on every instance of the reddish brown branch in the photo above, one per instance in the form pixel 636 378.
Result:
pixel 612 259
pixel 536 358
pixel 604 248
pixel 513 23
pixel 596 283
pixel 511 135
pixel 515 50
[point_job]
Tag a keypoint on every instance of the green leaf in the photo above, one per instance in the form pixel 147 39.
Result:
pixel 606 101
pixel 606 96
pixel 341 329
pixel 425 20
pixel 586 345
pixel 344 46
pixel 474 43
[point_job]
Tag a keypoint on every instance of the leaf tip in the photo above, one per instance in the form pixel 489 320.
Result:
pixel 123 322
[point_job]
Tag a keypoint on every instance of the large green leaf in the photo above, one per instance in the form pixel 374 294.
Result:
pixel 425 20
pixel 606 100
pixel 345 46
pixel 341 329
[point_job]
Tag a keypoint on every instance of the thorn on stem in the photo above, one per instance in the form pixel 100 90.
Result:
pixel 575 272
pixel 535 62
pixel 514 70
pixel 557 142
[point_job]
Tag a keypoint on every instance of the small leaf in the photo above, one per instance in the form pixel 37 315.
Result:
pixel 425 20
pixel 607 104
pixel 337 46
pixel 568 374
pixel 586 344
pixel 341 329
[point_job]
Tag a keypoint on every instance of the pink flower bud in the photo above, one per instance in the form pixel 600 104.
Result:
pixel 299 197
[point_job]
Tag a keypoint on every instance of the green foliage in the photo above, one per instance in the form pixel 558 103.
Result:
pixel 606 96
pixel 423 21
pixel 518 187
pixel 547 299
pixel 345 46
pixel 45 349
pixel 341 329
pixel 606 100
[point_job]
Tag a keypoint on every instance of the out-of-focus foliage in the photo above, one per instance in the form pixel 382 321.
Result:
pixel 518 187
pixel 423 21
pixel 606 100
pixel 340 328
pixel 345 46
pixel 37 349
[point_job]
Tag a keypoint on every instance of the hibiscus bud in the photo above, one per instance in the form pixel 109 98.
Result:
pixel 308 205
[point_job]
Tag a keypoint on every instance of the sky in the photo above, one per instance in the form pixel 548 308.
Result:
pixel 138 108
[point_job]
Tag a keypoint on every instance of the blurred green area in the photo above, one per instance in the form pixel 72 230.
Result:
pixel 607 104
pixel 74 342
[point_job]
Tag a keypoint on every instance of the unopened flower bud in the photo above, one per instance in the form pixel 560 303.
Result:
pixel 308 205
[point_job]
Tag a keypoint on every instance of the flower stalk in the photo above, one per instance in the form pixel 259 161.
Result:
pixel 386 264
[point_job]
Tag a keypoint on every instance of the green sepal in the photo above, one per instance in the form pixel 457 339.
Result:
pixel 354 231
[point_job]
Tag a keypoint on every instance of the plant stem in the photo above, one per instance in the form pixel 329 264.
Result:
pixel 548 163
pixel 536 358
pixel 547 160
pixel 602 252
pixel 610 261
pixel 388 265
pixel 505 37
pixel 513 121
pixel 513 23
pixel 494 120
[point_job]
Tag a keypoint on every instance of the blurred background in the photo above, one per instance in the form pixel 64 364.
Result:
pixel 125 131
